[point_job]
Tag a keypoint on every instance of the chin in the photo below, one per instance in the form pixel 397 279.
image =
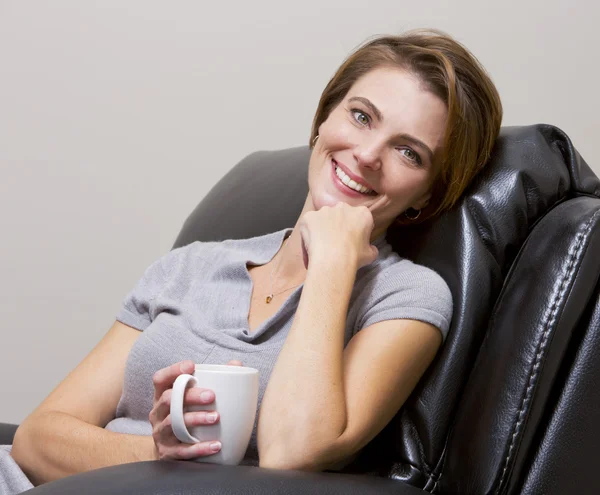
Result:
pixel 318 202
pixel 324 199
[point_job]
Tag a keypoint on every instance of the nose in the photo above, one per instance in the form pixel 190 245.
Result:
pixel 367 153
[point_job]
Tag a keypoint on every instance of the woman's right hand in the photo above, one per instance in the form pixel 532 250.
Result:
pixel 167 445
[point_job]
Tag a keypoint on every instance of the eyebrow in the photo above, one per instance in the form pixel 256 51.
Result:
pixel 379 117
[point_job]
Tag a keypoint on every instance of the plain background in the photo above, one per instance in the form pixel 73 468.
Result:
pixel 117 117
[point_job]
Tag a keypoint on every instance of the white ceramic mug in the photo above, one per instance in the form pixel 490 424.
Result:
pixel 236 400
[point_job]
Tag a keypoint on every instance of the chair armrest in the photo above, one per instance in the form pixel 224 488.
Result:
pixel 7 433
pixel 167 477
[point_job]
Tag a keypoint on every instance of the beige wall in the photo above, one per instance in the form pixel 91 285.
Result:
pixel 117 117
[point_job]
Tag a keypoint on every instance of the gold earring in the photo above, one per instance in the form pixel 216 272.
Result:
pixel 315 139
pixel 412 217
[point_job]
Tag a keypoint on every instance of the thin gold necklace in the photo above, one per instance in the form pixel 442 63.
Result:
pixel 271 295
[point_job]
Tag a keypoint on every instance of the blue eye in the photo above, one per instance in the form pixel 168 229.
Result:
pixel 365 120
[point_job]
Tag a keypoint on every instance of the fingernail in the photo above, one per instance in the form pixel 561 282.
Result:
pixel 211 417
pixel 215 446
pixel 205 395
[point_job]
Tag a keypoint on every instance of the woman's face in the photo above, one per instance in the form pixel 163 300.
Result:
pixel 388 133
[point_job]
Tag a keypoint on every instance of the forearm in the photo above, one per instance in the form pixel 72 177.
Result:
pixel 304 408
pixel 54 445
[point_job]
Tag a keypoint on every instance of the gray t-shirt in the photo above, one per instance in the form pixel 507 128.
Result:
pixel 193 303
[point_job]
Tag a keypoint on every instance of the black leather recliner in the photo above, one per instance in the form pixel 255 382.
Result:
pixel 511 403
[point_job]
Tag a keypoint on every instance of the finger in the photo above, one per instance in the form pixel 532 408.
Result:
pixel 201 449
pixel 169 447
pixel 200 418
pixel 193 396
pixel 235 362
pixel 165 438
pixel 163 379
pixel 164 430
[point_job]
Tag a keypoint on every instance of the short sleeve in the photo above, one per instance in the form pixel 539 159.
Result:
pixel 135 311
pixel 405 290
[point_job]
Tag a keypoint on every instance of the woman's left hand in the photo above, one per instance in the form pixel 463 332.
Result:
pixel 341 230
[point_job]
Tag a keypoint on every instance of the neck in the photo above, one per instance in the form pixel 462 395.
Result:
pixel 291 265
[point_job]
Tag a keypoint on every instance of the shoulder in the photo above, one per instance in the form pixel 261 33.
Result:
pixel 258 249
pixel 205 250
pixel 418 282
pixel 392 272
pixel 179 260
pixel 410 275
pixel 226 250
pixel 399 288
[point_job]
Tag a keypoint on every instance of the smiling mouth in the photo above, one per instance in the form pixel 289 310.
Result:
pixel 338 171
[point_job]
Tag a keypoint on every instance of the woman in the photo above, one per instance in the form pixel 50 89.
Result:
pixel 400 131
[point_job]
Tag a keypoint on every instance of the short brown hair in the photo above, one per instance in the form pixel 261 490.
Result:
pixel 450 72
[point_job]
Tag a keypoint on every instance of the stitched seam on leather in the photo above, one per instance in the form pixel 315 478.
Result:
pixel 438 470
pixel 428 484
pixel 425 468
pixel 539 351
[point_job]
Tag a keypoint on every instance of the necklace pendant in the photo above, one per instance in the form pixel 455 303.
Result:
pixel 269 298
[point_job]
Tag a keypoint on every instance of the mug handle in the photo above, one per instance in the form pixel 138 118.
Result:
pixel 177 422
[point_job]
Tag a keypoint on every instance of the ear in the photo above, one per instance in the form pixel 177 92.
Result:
pixel 422 202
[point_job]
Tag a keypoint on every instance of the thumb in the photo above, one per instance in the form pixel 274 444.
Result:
pixel 234 362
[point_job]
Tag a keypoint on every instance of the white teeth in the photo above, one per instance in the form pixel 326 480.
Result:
pixel 350 182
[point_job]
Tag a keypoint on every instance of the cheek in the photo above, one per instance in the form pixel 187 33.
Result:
pixel 408 182
pixel 336 133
